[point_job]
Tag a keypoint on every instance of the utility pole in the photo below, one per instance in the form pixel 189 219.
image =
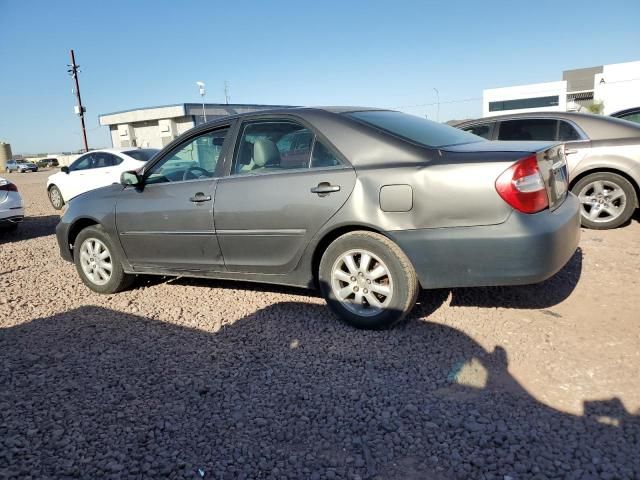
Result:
pixel 73 71
pixel 438 112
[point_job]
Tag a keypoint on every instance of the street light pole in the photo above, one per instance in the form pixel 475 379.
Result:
pixel 202 94
pixel 438 100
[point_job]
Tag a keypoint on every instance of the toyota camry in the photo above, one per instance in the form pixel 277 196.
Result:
pixel 367 205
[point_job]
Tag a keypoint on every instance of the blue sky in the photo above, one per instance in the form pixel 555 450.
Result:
pixel 334 52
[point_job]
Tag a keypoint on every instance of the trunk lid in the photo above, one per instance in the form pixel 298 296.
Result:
pixel 551 159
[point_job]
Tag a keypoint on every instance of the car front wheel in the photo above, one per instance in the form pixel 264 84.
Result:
pixel 607 200
pixel 98 263
pixel 367 280
pixel 55 197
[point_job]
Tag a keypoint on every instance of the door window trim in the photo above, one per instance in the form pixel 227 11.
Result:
pixel 317 136
pixel 171 148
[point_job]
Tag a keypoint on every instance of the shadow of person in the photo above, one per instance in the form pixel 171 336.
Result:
pixel 286 392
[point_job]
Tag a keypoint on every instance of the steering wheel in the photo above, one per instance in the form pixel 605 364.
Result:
pixel 186 173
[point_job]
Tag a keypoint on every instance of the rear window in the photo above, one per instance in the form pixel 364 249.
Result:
pixel 415 129
pixel 143 154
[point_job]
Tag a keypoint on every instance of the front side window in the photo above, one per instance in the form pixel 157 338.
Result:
pixel 483 130
pixel 272 146
pixel 195 159
pixel 82 163
pixel 530 129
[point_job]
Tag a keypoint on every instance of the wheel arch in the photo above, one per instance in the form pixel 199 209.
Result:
pixel 328 237
pixel 623 174
pixel 77 226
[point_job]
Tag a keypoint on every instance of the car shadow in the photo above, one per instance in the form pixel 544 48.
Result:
pixel 31 227
pixel 286 392
pixel 535 296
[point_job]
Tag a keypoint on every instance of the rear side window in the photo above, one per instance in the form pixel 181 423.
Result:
pixel 142 155
pixel 566 132
pixel 529 129
pixel 631 117
pixel 415 129
pixel 483 130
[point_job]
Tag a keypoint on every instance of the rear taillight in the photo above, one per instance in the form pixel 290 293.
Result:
pixel 521 186
pixel 8 186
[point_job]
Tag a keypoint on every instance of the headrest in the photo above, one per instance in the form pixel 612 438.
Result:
pixel 265 153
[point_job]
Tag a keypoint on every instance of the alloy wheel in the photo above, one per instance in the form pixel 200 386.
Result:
pixel 95 260
pixel 362 282
pixel 56 197
pixel 602 201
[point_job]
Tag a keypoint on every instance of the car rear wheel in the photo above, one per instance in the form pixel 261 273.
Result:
pixel 607 200
pixel 97 262
pixel 367 280
pixel 55 197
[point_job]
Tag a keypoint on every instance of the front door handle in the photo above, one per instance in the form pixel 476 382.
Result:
pixel 200 197
pixel 325 188
pixel 570 151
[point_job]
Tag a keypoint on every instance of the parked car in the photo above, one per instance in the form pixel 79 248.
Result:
pixel 94 170
pixel 629 114
pixel 48 162
pixel 385 203
pixel 603 156
pixel 20 166
pixel 11 205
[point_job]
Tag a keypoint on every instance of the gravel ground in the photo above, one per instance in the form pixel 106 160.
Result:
pixel 182 378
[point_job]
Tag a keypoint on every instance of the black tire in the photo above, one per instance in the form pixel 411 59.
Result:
pixel 627 204
pixel 59 201
pixel 401 277
pixel 118 280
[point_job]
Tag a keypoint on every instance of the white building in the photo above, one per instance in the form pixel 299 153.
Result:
pixel 155 127
pixel 616 86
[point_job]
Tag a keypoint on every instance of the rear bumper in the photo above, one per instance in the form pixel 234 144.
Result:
pixel 524 249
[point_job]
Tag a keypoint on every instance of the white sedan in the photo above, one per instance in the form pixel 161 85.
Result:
pixel 11 206
pixel 95 169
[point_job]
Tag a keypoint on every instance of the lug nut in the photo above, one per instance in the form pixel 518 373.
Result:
pixel 355 289
pixel 368 281
pixel 365 291
pixel 353 279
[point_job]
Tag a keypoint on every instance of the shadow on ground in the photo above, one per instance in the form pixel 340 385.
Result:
pixel 537 296
pixel 31 227
pixel 286 392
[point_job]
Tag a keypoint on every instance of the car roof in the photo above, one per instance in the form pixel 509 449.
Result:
pixel 596 127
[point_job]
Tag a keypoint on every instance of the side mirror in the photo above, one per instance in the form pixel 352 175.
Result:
pixel 64 169
pixel 130 178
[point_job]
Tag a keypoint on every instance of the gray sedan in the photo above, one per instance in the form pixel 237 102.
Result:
pixel 367 205
pixel 603 155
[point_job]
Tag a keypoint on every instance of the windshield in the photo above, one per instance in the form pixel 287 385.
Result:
pixel 415 129
pixel 142 154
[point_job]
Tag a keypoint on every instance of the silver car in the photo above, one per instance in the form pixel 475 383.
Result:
pixel 11 205
pixel 20 166
pixel 367 205
pixel 603 155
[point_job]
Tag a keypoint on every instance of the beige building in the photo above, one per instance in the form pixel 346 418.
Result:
pixel 155 127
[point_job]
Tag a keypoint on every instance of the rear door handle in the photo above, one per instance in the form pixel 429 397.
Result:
pixel 200 197
pixel 325 188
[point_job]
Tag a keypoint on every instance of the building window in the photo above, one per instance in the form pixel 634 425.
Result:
pixel 522 103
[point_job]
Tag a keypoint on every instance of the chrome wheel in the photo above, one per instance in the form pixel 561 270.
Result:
pixel 56 197
pixel 95 260
pixel 602 201
pixel 362 282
